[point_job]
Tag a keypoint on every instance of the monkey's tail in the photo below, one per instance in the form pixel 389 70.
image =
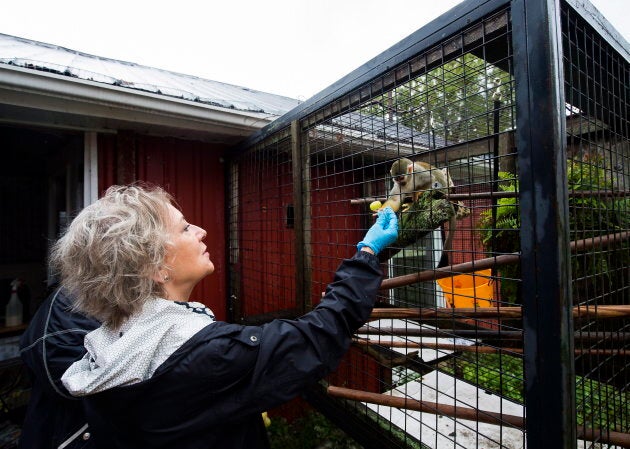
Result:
pixel 461 211
pixel 447 238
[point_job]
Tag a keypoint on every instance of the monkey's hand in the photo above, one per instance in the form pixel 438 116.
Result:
pixel 382 233
pixel 393 202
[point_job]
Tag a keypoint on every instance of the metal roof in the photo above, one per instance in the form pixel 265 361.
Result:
pixel 50 58
pixel 387 130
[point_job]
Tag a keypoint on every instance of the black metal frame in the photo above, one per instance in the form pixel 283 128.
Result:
pixel 545 265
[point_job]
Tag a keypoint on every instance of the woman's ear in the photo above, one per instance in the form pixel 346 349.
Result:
pixel 161 277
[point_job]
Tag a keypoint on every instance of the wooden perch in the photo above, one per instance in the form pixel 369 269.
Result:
pixel 443 346
pixel 598 241
pixel 477 348
pixel 511 312
pixel 441 333
pixel 427 407
pixel 483 333
pixel 439 273
pixel 504 259
pixel 507 194
pixel 471 414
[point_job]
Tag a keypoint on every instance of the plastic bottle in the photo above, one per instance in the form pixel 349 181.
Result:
pixel 13 311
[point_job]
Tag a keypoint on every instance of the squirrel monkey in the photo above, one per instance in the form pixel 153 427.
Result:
pixel 411 179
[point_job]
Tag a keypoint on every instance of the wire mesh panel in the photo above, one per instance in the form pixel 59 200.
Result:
pixel 261 221
pixel 445 345
pixel 461 334
pixel 598 163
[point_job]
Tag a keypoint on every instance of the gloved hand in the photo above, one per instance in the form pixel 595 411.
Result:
pixel 382 233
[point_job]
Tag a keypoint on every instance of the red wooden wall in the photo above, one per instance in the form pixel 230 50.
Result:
pixel 336 226
pixel 266 261
pixel 193 172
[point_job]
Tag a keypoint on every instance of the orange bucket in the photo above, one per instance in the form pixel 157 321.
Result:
pixel 468 290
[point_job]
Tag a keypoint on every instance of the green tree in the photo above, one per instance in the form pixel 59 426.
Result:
pixel 453 100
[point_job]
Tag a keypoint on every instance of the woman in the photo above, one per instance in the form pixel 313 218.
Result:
pixel 161 372
pixel 53 341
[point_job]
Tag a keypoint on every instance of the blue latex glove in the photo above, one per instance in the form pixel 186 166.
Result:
pixel 382 233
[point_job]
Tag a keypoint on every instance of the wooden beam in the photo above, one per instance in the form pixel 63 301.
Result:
pixel 477 348
pixel 511 312
pixel 472 414
pixel 490 262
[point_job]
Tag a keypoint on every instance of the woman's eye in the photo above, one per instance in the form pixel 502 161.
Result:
pixel 186 228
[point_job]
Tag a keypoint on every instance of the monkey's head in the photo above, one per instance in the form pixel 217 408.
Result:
pixel 400 170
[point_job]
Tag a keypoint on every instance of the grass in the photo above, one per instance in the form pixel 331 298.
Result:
pixel 312 431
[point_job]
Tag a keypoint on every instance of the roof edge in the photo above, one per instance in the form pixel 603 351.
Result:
pixel 41 90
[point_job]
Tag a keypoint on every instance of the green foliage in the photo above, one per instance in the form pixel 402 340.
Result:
pixel 598 405
pixel 589 216
pixel 311 431
pixel 592 216
pixel 592 213
pixel 500 236
pixel 314 431
pixel 496 373
pixel 499 231
pixel 454 99
pixel 601 406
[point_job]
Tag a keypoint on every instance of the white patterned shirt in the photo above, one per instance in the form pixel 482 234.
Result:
pixel 135 351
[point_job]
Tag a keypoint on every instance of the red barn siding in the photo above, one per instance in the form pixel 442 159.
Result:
pixel 193 173
pixel 336 226
pixel 266 242
pixel 267 245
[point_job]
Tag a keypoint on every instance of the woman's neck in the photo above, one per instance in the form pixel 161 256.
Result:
pixel 177 293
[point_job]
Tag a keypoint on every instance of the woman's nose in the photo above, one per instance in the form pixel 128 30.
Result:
pixel 202 232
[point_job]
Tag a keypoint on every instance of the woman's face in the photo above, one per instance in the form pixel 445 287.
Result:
pixel 187 259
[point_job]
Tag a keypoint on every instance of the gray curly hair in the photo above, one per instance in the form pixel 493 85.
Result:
pixel 111 252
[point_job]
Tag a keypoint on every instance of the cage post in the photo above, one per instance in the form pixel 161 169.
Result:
pixel 545 268
pixel 300 194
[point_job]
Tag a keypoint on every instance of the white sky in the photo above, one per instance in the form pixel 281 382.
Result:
pixel 288 47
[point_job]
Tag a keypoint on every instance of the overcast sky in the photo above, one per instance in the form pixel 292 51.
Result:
pixel 288 47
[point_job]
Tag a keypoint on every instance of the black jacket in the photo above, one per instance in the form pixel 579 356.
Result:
pixel 50 344
pixel 211 391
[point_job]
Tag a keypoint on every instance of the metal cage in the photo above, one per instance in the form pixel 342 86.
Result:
pixel 514 334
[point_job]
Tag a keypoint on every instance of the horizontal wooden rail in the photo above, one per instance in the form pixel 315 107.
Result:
pixel 572 194
pixel 596 336
pixel 440 333
pixel 598 241
pixel 511 312
pixel 444 272
pixel 482 349
pixel 490 195
pixel 445 312
pixel 489 262
pixel 443 346
pixel 600 435
pixel 471 414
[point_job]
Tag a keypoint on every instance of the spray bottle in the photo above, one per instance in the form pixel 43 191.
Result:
pixel 13 311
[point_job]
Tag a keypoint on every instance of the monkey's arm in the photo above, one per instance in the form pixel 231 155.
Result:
pixel 394 199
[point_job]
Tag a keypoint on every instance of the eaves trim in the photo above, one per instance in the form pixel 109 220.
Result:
pixel 49 91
